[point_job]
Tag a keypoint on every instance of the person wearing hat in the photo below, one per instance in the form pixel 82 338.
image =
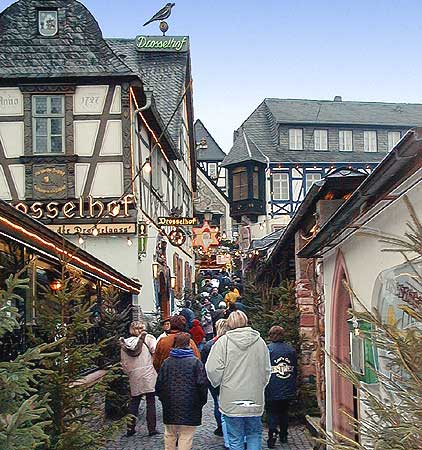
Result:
pixel 215 297
pixel 188 314
pixel 162 351
pixel 165 324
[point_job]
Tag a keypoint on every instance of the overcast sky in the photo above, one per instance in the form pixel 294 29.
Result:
pixel 246 50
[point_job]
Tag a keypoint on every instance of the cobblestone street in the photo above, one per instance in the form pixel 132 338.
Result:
pixel 299 438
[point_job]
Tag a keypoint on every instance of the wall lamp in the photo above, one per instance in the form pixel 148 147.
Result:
pixel 147 168
pixel 155 270
pixel 173 282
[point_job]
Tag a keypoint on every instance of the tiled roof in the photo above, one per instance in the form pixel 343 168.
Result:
pixel 261 127
pixel 345 112
pixel 244 149
pixel 213 151
pixel 77 50
pixel 164 73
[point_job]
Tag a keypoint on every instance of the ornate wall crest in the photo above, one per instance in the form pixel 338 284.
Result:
pixel 48 23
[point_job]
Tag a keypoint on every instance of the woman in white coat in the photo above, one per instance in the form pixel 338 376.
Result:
pixel 136 358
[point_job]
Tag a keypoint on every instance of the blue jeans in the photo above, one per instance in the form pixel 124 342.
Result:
pixel 217 414
pixel 239 428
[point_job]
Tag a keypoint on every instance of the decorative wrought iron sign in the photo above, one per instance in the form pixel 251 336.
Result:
pixel 177 221
pixel 177 237
pixel 177 44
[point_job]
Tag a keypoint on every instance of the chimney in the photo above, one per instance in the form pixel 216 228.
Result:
pixel 235 135
pixel 338 98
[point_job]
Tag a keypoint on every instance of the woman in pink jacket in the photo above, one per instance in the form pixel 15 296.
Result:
pixel 136 358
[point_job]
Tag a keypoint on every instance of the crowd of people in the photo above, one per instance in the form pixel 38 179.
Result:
pixel 216 352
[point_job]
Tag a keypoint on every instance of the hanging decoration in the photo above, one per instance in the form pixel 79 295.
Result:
pixel 205 237
pixel 177 237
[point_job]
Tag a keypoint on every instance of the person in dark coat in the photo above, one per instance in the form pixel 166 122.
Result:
pixel 215 297
pixel 188 314
pixel 182 389
pixel 282 386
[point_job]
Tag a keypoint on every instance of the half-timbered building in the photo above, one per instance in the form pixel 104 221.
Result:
pixel 285 146
pixel 83 119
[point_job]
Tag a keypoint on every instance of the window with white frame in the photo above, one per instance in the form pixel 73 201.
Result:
pixel 321 139
pixel 310 180
pixel 280 186
pixel 295 139
pixel 393 138
pixel 48 123
pixel 212 170
pixel 345 140
pixel 370 141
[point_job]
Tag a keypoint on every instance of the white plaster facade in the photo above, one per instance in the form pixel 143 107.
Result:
pixel 365 260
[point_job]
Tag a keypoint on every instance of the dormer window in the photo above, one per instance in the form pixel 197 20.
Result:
pixel 48 23
pixel 202 144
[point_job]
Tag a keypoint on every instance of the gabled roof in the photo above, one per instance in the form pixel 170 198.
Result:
pixel 261 127
pixel 213 151
pixel 244 149
pixel 164 73
pixel 77 50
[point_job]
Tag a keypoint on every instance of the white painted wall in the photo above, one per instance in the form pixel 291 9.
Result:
pixel 11 102
pixel 85 132
pixel 365 261
pixel 90 99
pixel 108 180
pixel 11 135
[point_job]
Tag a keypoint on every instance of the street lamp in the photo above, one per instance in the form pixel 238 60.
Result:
pixel 173 282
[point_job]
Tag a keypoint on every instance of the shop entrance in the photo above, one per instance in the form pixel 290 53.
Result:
pixel 343 392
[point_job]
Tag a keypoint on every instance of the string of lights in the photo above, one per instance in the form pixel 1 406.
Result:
pixel 146 166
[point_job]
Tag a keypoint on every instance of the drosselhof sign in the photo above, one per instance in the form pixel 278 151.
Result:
pixel 162 43
pixel 82 208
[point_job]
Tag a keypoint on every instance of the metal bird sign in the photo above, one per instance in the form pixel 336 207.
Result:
pixel 161 17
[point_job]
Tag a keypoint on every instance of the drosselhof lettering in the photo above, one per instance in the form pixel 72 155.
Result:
pixel 162 43
pixel 78 209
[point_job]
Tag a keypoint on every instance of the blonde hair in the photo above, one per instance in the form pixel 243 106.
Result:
pixel 237 319
pixel 135 326
pixel 221 327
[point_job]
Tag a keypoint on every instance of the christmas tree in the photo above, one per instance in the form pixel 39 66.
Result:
pixel 114 323
pixel 77 403
pixel 24 413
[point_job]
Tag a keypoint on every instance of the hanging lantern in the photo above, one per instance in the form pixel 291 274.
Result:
pixel 56 285
pixel 155 269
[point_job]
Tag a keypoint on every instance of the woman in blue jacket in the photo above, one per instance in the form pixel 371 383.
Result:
pixel 282 386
